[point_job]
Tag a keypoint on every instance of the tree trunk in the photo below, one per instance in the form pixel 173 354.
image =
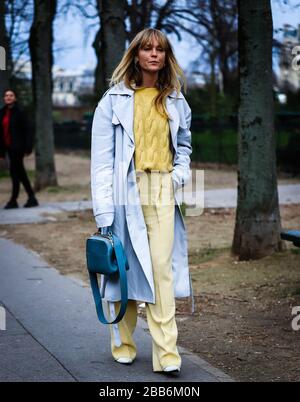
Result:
pixel 40 43
pixel 225 72
pixel 110 41
pixel 99 88
pixel 212 85
pixel 5 61
pixel 257 227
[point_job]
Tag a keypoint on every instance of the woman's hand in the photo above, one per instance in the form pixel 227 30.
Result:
pixel 104 230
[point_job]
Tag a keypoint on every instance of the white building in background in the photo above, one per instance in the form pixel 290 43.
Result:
pixel 289 77
pixel 68 85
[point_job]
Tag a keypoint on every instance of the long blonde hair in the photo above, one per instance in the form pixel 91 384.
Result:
pixel 131 73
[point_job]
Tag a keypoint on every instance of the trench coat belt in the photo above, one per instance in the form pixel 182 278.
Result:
pixel 115 327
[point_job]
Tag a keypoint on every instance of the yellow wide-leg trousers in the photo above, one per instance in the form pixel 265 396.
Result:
pixel 157 199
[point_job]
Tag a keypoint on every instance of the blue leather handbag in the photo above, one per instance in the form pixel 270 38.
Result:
pixel 105 255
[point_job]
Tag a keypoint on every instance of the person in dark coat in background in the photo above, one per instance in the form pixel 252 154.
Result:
pixel 17 141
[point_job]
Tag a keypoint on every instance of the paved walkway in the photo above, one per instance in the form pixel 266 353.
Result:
pixel 53 334
pixel 40 213
pixel 222 198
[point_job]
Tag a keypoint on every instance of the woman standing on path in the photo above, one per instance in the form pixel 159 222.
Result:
pixel 16 140
pixel 140 157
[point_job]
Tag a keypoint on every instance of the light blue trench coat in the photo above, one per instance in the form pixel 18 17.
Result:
pixel 115 195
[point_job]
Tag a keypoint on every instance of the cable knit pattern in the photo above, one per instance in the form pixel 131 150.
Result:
pixel 151 134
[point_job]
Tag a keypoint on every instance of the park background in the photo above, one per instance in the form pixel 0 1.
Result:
pixel 243 313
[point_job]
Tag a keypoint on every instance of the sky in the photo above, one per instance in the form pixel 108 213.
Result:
pixel 74 46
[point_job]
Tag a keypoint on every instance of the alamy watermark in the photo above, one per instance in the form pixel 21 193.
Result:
pixel 296 319
pixel 2 58
pixel 173 187
pixel 2 319
pixel 296 60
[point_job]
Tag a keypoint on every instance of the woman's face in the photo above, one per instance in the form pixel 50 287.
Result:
pixel 9 98
pixel 152 57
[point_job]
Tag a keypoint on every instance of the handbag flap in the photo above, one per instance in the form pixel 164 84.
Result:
pixel 100 256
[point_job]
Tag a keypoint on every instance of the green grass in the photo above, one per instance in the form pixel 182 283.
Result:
pixel 290 291
pixel 4 174
pixel 210 146
pixel 215 147
pixel 205 254
pixel 282 139
pixel 183 207
pixel 276 275
pixel 63 189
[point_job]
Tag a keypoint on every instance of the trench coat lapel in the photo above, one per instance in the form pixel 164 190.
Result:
pixel 123 113
pixel 174 122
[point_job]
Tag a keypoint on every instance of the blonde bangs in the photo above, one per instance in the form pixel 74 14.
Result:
pixel 168 77
pixel 148 37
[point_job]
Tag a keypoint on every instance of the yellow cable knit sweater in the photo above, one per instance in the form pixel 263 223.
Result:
pixel 151 134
